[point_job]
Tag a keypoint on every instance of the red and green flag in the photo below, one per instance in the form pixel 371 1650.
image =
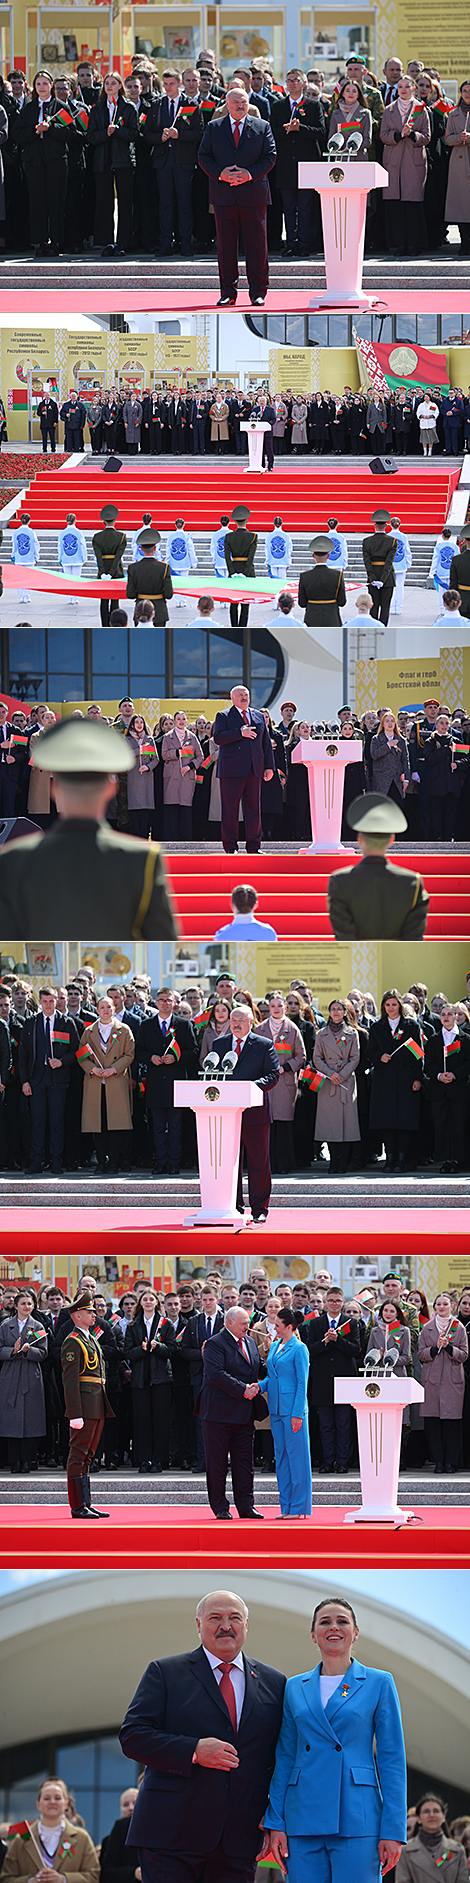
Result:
pixel 453 1048
pixel 414 1048
pixel 19 1830
pixel 345 1328
pixel 400 365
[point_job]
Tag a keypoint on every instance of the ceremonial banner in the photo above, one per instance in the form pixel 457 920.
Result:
pixel 386 368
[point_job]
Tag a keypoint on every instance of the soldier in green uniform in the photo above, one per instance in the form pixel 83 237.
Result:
pixel 82 878
pixel 240 549
pixel 460 572
pixel 109 545
pixel 321 590
pixel 149 580
pixel 379 552
pixel 375 900
pixel 86 1403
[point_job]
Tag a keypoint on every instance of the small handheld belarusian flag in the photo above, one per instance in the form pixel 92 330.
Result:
pixel 345 1328
pixel 393 1327
pixel 18 1830
pixel 453 1048
pixel 283 1049
pixel 414 1048
pixel 318 1080
pixel 61 1039
pixel 83 1050
pixel 171 1046
pixel 82 115
pixel 463 749
pixel 148 749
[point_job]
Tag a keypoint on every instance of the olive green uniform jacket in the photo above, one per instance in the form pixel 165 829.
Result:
pixel 109 545
pixel 148 580
pixel 81 880
pixel 240 549
pixel 322 593
pixel 377 901
pixel 84 1377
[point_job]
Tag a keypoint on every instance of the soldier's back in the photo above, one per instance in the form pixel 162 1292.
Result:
pixel 83 879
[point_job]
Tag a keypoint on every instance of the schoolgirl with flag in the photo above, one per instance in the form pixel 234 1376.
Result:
pixel 397 1060
pixel 447 1067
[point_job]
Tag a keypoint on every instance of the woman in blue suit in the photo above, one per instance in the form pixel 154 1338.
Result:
pixel 288 1363
pixel 337 1813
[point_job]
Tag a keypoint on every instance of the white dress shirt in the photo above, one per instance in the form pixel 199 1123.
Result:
pixel 237 1676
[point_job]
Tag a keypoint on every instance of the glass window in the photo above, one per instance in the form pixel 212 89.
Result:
pixel 295 330
pixel 189 654
pixel 318 329
pixel 108 686
pixel 79 1759
pixel 338 330
pixel 405 327
pixel 451 332
pixel 65 650
pixel 382 328
pixel 147 650
pixel 66 686
pixel 226 659
pixel 427 329
pixel 147 686
pixel 110 652
pixel 114 1766
pixel 28 662
pixel 363 326
pixel 276 327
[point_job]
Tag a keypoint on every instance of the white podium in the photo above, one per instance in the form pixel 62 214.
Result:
pixel 218 1107
pixel 326 760
pixel 255 435
pixel 379 1406
pixel 343 189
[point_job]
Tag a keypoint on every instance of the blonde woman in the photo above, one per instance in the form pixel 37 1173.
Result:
pixel 54 1847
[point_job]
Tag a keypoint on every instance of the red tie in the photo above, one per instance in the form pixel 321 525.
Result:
pixel 236 134
pixel 242 1347
pixel 246 716
pixel 238 1048
pixel 227 1691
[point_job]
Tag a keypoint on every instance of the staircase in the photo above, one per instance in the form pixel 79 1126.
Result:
pixel 292 891
pixel 304 501
pixel 114 283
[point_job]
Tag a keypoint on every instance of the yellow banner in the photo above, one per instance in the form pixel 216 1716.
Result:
pixel 332 968
pixel 294 369
pixel 397 683
pixel 151 709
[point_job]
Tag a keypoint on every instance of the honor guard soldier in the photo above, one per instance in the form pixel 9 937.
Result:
pixel 181 554
pixel 338 557
pixel 149 580
pixel 460 572
pixel 240 550
pixel 72 551
pixel 375 900
pixel 278 551
pixel 109 545
pixel 218 550
pixel 99 880
pixel 321 590
pixel 26 551
pixel 86 1403
pixel 379 553
pixel 136 549
pixel 403 562
pixel 442 558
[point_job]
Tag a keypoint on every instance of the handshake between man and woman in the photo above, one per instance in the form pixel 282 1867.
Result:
pixel 241 1763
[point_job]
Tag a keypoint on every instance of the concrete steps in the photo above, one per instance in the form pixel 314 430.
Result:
pixel 110 1489
pixel 421 549
pixel 306 1190
pixel 149 275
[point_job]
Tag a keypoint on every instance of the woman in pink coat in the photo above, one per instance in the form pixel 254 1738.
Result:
pixel 290 1049
pixel 405 131
pixel 442 1350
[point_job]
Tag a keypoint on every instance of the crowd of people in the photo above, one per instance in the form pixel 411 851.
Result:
pixel 420 760
pixel 338 1101
pixel 74 142
pixel 158 1361
pixel 206 420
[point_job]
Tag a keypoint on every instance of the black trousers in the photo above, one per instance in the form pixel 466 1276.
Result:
pixel 222 1441
pixel 174 1866
pixel 255 1141
pixel 21 1451
pixel 175 187
pixel 239 612
pixel 335 1431
pixel 48 432
pixel 247 793
pixel 47 1106
pixel 178 822
pixel 231 221
pixel 381 602
pixel 152 1407
pixel 104 212
pixel 82 1448
pixel 442 816
pixel 444 1438
pixel 7 790
pixel 140 822
pixel 47 183
pixel 450 1123
pixel 166 1124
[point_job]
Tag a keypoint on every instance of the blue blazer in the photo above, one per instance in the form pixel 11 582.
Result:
pixel 326 1782
pixel 237 756
pixel 287 1379
pixel 256 152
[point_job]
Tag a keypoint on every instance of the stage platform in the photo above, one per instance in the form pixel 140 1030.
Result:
pixel 181 1539
pixel 292 890
pixel 201 494
pixel 88 284
pixel 366 1232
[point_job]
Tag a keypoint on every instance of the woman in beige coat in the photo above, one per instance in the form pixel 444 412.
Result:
pixel 457 138
pixel 335 1057
pixel 105 1054
pixel 39 794
pixel 219 423
pixel 52 1835
pixel 290 1049
pixel 182 755
pixel 431 1847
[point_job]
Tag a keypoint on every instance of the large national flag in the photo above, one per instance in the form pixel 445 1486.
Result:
pixel 385 368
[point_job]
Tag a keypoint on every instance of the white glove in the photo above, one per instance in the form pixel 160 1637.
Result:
pixel 76 1424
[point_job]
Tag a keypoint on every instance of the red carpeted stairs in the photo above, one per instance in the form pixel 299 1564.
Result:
pixel 303 497
pixel 292 891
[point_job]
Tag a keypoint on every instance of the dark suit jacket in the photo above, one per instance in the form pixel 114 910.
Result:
pixel 237 756
pixel 191 1345
pixel 303 146
pixel 256 152
pixel 118 1859
pixel 339 1360
pixel 225 1375
pixel 185 1807
pixel 258 1060
pixel 181 150
pixel 459 1064
pixel 30 1059
pixel 160 1079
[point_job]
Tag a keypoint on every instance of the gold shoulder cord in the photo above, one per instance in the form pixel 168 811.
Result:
pixel 146 897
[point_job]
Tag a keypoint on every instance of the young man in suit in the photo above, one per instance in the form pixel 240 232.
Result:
pixel 168 1049
pixel 174 129
pixel 227 1406
pixel 205 1724
pixel 237 152
pixel 334 1354
pixel 8 779
pixel 245 759
pixel 258 1061
pixel 298 126
pixel 47 1049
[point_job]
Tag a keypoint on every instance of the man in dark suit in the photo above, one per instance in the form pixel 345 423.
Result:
pixel 205 1725
pixel 379 553
pixel 237 153
pixel 229 1400
pixel 198 1329
pixel 149 580
pixel 321 590
pixel 245 759
pixel 258 1061
pixel 265 413
pixel 333 1345
pixel 168 1048
pixel 298 127
pixel 47 1049
pixel 174 128
pixel 460 572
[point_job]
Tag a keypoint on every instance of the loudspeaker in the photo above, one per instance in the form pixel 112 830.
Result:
pixel 12 827
pixel 113 464
pixel 382 467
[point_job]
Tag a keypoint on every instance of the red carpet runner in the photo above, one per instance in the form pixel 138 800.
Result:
pixel 292 891
pixel 304 499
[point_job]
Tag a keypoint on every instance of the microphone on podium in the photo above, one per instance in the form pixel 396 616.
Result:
pixel 228 1064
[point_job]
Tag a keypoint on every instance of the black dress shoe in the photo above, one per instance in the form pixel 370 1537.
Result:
pixel 84 1515
pixel 258 301
pixel 246 1514
pixel 224 1516
pixel 97 1513
pixel 261 1218
pixel 227 300
pixel 144 1470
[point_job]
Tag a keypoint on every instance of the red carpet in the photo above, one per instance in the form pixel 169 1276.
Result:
pixel 179 1538
pixel 171 301
pixel 304 501
pixel 29 1232
pixel 292 891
